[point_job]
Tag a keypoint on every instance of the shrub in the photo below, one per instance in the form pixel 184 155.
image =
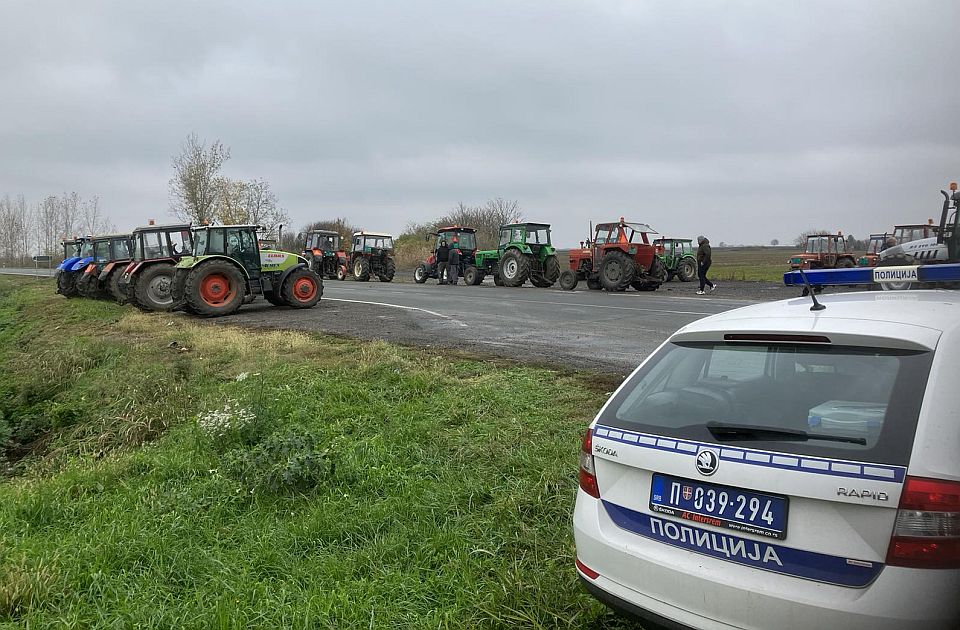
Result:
pixel 288 460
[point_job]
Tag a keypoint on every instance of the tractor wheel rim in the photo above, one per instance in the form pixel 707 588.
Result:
pixel 215 289
pixel 510 269
pixel 304 289
pixel 159 290
pixel 358 268
pixel 419 273
pixel 613 272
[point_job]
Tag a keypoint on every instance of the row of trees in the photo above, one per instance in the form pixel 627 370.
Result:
pixel 38 227
pixel 200 193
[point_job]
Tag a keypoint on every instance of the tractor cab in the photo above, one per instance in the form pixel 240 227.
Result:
pixel 875 245
pixel 464 237
pixel 237 242
pixel 154 242
pixel 823 251
pixel 533 235
pixel 71 248
pixel 320 242
pixel 915 232
pixel 372 243
pixel 621 233
pixel 105 259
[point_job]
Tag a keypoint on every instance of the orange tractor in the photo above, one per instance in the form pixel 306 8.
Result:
pixel 620 256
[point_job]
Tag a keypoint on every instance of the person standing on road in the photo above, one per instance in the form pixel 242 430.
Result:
pixel 453 269
pixel 443 256
pixel 704 260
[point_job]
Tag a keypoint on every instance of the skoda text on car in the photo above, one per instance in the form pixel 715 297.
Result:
pixel 773 467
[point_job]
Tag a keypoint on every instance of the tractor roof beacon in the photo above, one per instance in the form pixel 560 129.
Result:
pixel 227 269
pixel 525 252
pixel 620 256
pixel 466 241
pixel 147 281
pixel 372 255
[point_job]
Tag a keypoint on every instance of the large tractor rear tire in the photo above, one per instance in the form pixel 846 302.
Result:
pixel 302 289
pixel 84 284
pixel 687 269
pixel 421 273
pixel 551 269
pixel 617 271
pixel 153 288
pixel 388 271
pixel 514 269
pixel 112 285
pixel 67 284
pixel 472 276
pixel 214 289
pixel 361 269
pixel 568 280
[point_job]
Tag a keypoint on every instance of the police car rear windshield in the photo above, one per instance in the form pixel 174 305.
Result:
pixel 800 398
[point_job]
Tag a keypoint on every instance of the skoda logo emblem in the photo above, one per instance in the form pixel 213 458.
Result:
pixel 707 462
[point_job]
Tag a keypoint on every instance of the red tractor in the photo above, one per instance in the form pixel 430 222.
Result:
pixel 148 280
pixel 466 240
pixel 620 256
pixel 824 251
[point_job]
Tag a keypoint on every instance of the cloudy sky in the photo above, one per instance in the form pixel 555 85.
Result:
pixel 744 121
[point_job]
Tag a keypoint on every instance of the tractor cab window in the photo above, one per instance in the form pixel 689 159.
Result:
pixel 324 242
pixel 72 250
pixel 180 242
pixel 121 249
pixel 517 234
pixel 101 251
pixel 209 242
pixel 505 236
pixel 240 242
pixel 151 246
pixel 816 245
pixel 465 240
pixel 371 243
pixel 841 245
pixel 538 236
pixel 86 250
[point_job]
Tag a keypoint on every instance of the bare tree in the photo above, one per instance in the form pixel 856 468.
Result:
pixel 230 208
pixel 193 188
pixel 94 221
pixel 261 205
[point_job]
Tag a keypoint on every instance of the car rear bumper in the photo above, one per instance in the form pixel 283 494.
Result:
pixel 677 588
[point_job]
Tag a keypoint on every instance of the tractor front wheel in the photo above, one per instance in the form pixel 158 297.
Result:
pixel 421 274
pixel 67 284
pixel 551 269
pixel 361 269
pixel 302 288
pixel 214 288
pixel 472 276
pixel 687 270
pixel 388 271
pixel 497 280
pixel 568 280
pixel 514 269
pixel 84 285
pixel 617 271
pixel 113 285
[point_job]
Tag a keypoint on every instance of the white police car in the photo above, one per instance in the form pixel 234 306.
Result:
pixel 773 467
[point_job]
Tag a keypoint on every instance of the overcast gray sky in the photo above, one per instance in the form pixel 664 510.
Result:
pixel 744 121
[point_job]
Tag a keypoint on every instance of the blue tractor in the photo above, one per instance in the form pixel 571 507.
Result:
pixel 77 254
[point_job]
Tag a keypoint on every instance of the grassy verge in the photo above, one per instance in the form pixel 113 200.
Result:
pixel 166 473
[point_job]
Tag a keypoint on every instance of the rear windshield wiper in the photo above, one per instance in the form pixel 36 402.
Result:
pixel 746 432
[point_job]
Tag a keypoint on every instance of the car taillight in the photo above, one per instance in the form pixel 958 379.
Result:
pixel 588 473
pixel 927 533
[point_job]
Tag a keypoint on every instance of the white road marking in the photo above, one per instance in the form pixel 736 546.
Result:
pixel 400 306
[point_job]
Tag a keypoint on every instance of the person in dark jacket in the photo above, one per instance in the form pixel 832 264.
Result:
pixel 453 269
pixel 443 257
pixel 704 260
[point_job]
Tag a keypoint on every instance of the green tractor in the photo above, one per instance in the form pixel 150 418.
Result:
pixel 678 258
pixel 525 253
pixel 228 269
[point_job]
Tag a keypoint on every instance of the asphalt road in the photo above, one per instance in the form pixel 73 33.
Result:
pixel 581 329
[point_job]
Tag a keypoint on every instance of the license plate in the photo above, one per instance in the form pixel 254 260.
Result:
pixel 720 506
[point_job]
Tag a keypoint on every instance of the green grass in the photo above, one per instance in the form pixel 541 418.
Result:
pixel 758 264
pixel 368 486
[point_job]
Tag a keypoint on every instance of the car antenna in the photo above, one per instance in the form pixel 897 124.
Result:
pixel 817 306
